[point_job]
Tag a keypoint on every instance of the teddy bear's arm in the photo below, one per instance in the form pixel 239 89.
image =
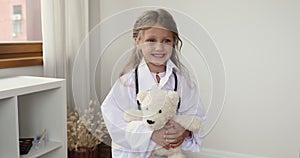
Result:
pixel 190 123
pixel 133 115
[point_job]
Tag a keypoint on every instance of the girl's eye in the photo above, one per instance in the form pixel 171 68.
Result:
pixel 150 40
pixel 167 41
pixel 159 111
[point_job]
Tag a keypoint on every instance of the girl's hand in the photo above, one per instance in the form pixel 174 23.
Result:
pixel 158 137
pixel 175 134
pixel 180 139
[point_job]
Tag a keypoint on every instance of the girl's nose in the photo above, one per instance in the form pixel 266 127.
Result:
pixel 159 46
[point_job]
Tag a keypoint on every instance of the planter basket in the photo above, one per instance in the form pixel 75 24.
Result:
pixel 104 151
pixel 100 151
pixel 84 152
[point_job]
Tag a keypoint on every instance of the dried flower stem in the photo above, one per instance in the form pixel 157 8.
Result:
pixel 87 129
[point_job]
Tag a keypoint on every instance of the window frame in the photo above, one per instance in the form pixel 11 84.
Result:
pixel 21 54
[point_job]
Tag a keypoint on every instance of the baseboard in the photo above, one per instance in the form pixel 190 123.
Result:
pixel 212 153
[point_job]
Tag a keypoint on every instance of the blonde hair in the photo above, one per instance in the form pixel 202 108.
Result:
pixel 147 20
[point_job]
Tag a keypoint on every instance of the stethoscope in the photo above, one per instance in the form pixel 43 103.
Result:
pixel 137 87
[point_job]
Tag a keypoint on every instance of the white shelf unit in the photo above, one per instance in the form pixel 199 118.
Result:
pixel 28 105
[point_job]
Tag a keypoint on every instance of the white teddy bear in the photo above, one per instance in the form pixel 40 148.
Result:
pixel 157 108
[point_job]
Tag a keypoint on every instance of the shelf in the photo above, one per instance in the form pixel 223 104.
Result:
pixel 19 85
pixel 28 105
pixel 49 146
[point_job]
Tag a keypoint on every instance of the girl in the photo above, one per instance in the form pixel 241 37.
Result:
pixel 154 62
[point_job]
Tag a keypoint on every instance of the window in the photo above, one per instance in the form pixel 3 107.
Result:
pixel 17 9
pixel 20 33
pixel 17 20
pixel 17 28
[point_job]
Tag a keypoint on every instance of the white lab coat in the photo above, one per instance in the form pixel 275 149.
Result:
pixel 133 139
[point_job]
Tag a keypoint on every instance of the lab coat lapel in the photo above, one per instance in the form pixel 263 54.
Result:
pixel 146 80
pixel 169 71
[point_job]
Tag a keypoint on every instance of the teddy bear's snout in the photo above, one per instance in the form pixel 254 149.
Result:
pixel 150 122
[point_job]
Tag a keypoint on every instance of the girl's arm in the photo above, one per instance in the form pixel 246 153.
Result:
pixel 128 136
pixel 190 105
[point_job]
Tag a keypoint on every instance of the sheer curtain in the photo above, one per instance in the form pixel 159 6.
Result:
pixel 64 26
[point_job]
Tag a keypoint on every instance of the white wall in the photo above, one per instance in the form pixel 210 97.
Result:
pixel 23 71
pixel 259 44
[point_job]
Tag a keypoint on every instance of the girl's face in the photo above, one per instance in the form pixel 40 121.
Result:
pixel 156 45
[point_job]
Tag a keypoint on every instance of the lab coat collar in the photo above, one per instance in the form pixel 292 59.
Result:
pixel 146 80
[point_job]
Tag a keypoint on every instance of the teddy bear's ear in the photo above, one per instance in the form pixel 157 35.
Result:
pixel 173 97
pixel 141 96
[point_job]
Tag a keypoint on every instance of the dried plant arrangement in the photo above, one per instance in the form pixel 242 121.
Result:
pixel 86 128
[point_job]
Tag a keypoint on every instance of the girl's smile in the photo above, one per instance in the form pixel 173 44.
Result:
pixel 158 55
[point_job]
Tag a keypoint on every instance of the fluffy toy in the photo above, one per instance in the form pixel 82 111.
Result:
pixel 157 108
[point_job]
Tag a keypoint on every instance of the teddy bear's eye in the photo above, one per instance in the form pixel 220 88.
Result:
pixel 159 111
pixel 146 108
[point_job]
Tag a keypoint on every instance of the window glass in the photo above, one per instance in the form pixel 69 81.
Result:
pixel 20 20
pixel 17 9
